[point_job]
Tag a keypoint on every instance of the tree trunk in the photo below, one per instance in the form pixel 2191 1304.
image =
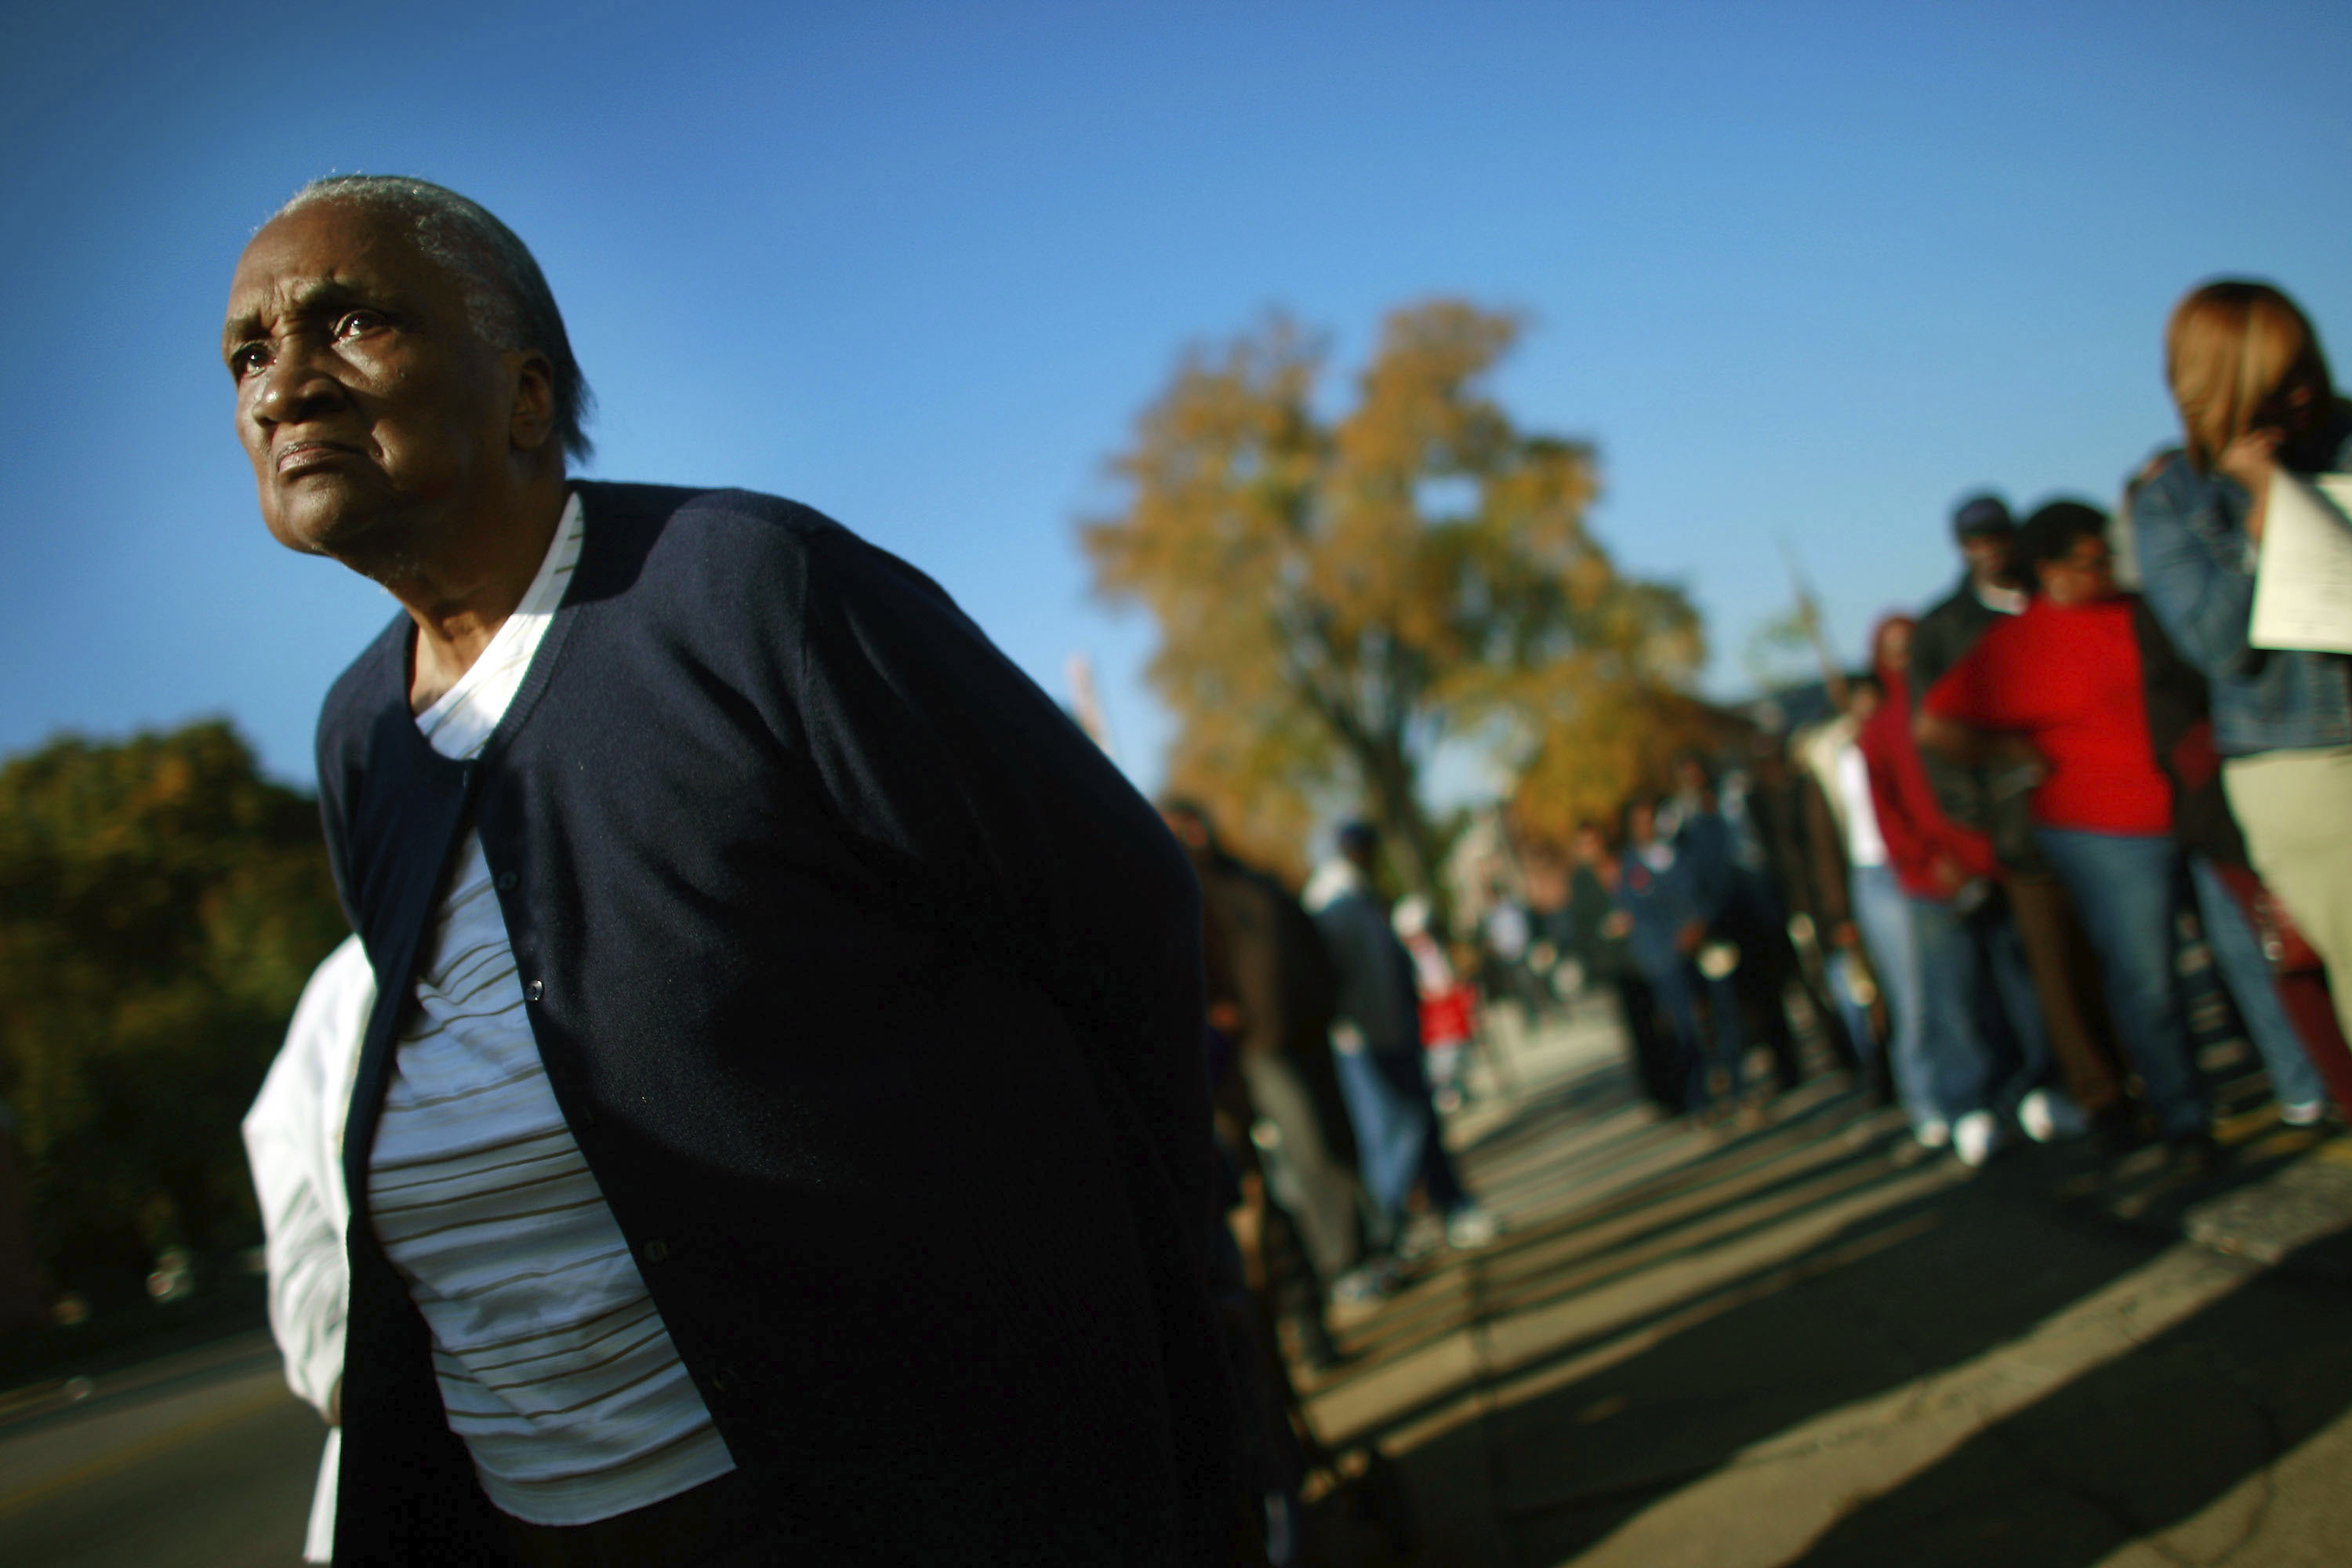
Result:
pixel 1396 808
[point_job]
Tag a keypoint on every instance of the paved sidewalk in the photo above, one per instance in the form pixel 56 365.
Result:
pixel 1806 1343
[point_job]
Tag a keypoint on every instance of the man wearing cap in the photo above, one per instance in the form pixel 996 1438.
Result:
pixel 1990 588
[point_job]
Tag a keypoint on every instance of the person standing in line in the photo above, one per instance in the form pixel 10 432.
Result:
pixel 1599 934
pixel 1664 919
pixel 1968 1068
pixel 1377 1038
pixel 1282 992
pixel 2256 400
pixel 1506 952
pixel 1778 807
pixel 1859 908
pixel 734 907
pixel 294 1144
pixel 1449 1009
pixel 2181 731
pixel 1739 910
pixel 2056 692
pixel 1992 588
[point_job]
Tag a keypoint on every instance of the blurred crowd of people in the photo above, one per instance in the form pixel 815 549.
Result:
pixel 1988 871
pixel 2057 802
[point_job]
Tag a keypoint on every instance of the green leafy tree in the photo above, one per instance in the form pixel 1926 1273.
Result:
pixel 1338 598
pixel 160 906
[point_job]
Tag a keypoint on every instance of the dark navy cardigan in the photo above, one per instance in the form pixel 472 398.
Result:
pixel 871 992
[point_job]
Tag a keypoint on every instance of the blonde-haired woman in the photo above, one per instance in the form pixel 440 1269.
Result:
pixel 2255 398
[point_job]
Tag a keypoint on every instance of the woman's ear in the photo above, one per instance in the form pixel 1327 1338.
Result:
pixel 530 422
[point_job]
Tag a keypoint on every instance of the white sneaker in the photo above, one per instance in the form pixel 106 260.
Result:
pixel 1974 1137
pixel 1933 1132
pixel 2304 1113
pixel 1365 1284
pixel 2047 1116
pixel 1424 1233
pixel 1470 1227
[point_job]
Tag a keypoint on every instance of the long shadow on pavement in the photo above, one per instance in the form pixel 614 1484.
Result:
pixel 2129 1448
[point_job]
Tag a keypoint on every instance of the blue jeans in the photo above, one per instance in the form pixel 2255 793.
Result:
pixel 1883 917
pixel 1981 1026
pixel 2124 888
pixel 1852 1011
pixel 1678 990
pixel 1397 1144
pixel 2237 953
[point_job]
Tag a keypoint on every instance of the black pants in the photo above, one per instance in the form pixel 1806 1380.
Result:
pixel 1657 1063
pixel 718 1524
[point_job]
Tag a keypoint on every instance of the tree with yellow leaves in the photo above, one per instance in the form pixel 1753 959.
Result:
pixel 1338 598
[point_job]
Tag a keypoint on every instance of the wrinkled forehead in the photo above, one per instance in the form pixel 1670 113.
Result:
pixel 330 250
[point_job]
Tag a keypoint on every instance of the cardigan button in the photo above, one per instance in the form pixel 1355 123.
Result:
pixel 506 882
pixel 654 1251
pixel 533 992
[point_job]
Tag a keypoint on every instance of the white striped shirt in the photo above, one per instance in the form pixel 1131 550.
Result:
pixel 553 1365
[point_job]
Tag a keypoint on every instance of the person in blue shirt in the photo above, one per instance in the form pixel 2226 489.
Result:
pixel 1740 907
pixel 1663 897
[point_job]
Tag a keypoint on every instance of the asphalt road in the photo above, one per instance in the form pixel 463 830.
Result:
pixel 200 1460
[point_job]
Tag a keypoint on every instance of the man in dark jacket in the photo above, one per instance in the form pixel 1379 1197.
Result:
pixel 1377 1038
pixel 1992 585
pixel 1598 935
pixel 1738 908
pixel 849 997
pixel 1283 994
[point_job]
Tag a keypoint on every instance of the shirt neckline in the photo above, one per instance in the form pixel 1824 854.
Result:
pixel 511 647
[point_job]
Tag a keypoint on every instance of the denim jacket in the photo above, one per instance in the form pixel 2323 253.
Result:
pixel 2189 531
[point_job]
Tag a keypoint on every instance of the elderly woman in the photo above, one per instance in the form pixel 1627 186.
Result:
pixel 2256 399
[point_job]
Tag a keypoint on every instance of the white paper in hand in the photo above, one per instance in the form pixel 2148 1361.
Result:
pixel 2303 583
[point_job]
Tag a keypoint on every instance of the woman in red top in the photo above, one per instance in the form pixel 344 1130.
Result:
pixel 2058 689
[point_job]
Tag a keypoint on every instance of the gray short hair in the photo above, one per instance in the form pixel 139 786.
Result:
pixel 507 298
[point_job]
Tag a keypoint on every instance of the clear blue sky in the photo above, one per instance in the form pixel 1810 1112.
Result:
pixel 1801 270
